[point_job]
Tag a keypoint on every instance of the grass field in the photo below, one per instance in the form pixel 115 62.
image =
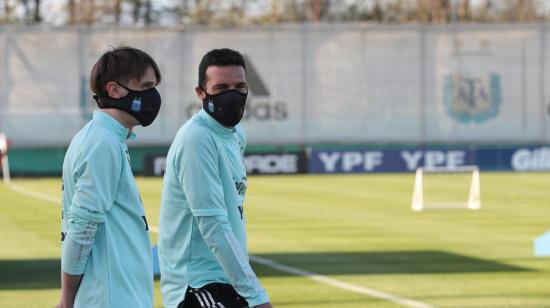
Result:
pixel 358 230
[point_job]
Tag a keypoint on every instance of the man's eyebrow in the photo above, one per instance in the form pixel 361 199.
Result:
pixel 148 84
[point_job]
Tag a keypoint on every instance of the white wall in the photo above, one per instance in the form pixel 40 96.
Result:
pixel 326 83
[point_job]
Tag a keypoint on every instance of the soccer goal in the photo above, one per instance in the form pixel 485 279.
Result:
pixel 4 164
pixel 446 188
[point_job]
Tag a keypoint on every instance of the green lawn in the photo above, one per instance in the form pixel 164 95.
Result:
pixel 357 229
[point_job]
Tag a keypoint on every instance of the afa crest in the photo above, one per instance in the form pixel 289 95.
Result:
pixel 470 99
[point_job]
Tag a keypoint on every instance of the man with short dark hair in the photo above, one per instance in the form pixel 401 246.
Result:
pixel 202 237
pixel 106 254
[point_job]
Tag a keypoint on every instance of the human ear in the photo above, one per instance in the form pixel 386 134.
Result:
pixel 200 92
pixel 114 90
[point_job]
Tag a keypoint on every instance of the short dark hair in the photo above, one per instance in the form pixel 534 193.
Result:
pixel 219 57
pixel 121 64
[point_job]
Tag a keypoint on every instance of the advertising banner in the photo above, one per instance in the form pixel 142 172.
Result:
pixel 528 158
pixel 265 163
pixel 359 161
pixel 276 163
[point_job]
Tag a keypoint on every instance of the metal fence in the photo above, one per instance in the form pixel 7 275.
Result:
pixel 308 83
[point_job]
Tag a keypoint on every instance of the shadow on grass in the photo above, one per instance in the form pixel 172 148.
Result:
pixel 45 274
pixel 379 263
pixel 30 274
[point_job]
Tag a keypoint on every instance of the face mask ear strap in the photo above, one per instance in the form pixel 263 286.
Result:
pixel 204 90
pixel 125 87
pixel 102 101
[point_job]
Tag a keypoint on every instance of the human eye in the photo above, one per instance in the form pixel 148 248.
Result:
pixel 243 87
pixel 220 87
pixel 147 85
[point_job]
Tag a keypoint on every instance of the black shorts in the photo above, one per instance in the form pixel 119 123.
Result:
pixel 213 295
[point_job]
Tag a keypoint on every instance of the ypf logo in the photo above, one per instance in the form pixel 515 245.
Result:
pixel 472 99
pixel 259 105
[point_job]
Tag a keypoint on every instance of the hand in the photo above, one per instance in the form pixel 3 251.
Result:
pixel 266 305
pixel 69 287
pixel 60 304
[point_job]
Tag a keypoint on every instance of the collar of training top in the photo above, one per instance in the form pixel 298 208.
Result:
pixel 215 125
pixel 113 125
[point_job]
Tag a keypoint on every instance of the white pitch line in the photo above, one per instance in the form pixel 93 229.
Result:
pixel 339 284
pixel 272 264
pixel 33 194
pixel 333 282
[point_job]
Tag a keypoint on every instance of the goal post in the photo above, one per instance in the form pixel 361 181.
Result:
pixel 4 163
pixel 446 188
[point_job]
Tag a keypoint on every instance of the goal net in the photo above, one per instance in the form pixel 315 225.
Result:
pixel 446 188
pixel 4 164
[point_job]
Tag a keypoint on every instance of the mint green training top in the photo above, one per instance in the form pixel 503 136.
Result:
pixel 104 230
pixel 202 237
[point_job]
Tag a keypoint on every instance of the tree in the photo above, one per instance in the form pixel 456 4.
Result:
pixel 8 8
pixel 147 18
pixel 237 12
pixel 72 12
pixel 117 10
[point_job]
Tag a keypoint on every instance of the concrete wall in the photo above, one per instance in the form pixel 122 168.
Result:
pixel 308 83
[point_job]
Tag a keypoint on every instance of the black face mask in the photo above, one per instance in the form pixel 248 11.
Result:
pixel 143 105
pixel 226 107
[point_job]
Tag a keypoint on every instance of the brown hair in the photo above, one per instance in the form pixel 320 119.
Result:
pixel 121 64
